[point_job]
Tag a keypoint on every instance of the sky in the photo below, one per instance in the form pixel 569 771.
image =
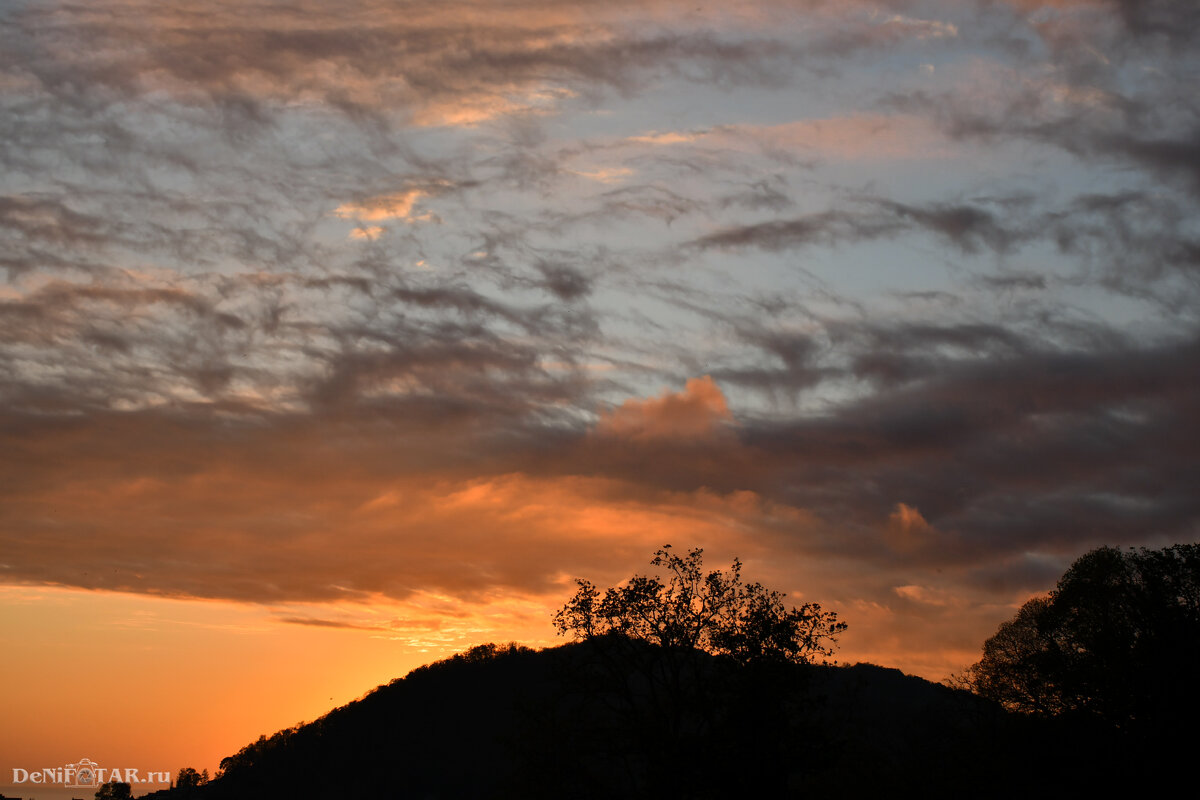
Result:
pixel 338 337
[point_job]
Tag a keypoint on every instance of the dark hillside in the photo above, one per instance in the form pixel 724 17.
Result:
pixel 614 718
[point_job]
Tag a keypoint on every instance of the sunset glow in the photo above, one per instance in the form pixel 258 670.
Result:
pixel 338 338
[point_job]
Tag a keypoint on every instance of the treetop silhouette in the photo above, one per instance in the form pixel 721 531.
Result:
pixel 716 613
pixel 1118 641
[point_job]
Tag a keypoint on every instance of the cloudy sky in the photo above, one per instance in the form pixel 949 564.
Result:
pixel 336 337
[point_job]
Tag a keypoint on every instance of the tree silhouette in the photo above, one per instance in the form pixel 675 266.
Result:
pixel 188 780
pixel 715 613
pixel 114 790
pixel 692 669
pixel 1016 669
pixel 1117 641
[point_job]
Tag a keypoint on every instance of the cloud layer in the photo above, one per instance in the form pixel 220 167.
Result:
pixel 896 300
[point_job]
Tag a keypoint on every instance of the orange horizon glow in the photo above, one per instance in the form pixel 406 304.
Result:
pixel 218 674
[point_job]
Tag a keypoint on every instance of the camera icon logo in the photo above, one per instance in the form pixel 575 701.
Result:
pixel 84 775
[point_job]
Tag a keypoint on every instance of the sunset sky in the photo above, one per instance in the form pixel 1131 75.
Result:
pixel 338 337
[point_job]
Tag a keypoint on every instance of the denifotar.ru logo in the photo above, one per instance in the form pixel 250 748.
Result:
pixel 86 774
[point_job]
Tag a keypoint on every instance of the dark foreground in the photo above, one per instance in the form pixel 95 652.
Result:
pixel 615 718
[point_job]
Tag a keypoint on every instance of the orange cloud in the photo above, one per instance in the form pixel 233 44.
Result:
pixel 666 137
pixel 392 206
pixel 844 137
pixel 384 208
pixel 1034 5
pixel 698 411
pixel 263 526
pixel 605 174
pixel 471 108
pixel 923 594
pixel 907 530
pixel 423 66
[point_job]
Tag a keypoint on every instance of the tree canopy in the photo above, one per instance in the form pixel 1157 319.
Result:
pixel 188 779
pixel 1117 640
pixel 114 790
pixel 715 612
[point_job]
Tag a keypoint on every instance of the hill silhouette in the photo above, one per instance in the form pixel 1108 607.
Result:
pixel 702 685
pixel 613 717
